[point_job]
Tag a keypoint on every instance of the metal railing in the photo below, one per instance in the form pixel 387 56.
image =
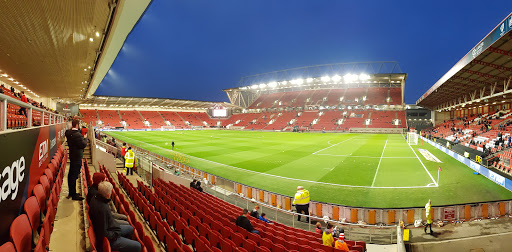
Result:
pixel 4 100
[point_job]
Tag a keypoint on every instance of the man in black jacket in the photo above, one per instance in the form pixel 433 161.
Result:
pixel 243 222
pixel 105 225
pixel 77 144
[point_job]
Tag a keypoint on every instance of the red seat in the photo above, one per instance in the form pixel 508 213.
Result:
pixel 362 244
pixel 21 233
pixel 46 185
pixel 148 244
pixel 7 247
pixel 202 245
pixel 31 207
pixel 250 245
pixel 305 248
pixel 106 245
pixel 41 243
pixel 358 248
pixel 92 238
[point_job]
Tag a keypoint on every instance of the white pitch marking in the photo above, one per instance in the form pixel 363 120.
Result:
pixel 358 156
pixel 277 176
pixel 380 160
pixel 314 153
pixel 423 165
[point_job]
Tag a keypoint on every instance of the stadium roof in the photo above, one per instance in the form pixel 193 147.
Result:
pixel 115 102
pixel 482 77
pixel 54 48
pixel 339 75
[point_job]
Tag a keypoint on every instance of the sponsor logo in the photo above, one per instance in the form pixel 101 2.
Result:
pixel 502 29
pixel 429 156
pixel 477 50
pixel 12 176
pixel 53 142
pixel 43 152
pixel 474 166
pixel 500 180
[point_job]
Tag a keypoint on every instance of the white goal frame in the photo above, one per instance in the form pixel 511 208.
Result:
pixel 171 127
pixel 412 138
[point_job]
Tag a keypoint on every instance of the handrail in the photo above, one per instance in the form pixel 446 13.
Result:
pixel 4 99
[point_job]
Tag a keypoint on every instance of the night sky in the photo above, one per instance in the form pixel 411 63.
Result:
pixel 193 49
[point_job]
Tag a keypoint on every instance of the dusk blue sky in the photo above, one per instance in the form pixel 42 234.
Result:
pixel 194 49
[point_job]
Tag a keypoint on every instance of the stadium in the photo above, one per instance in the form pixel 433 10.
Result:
pixel 369 161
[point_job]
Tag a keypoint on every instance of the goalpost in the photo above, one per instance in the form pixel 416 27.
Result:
pixel 167 127
pixel 412 138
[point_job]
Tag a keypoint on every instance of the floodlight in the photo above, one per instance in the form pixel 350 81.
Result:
pixel 350 77
pixel 309 80
pixel 272 84
pixel 283 82
pixel 336 78
pixel 262 85
pixel 297 81
pixel 326 78
pixel 254 86
pixel 364 76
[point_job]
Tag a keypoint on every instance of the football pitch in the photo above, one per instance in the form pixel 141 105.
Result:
pixel 363 170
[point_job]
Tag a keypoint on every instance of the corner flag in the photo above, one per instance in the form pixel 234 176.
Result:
pixel 440 168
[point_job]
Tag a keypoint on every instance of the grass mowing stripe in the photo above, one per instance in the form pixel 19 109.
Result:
pixel 289 155
pixel 332 145
pixel 380 160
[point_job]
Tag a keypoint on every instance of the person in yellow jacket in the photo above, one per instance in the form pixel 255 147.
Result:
pixel 129 159
pixel 301 202
pixel 428 213
pixel 327 238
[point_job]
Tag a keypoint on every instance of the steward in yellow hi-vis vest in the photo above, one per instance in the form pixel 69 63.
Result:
pixel 129 159
pixel 301 202
pixel 428 213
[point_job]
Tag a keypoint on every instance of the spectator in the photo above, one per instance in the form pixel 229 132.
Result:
pixel 243 222
pixel 255 213
pixel 76 145
pixel 198 186
pixel 104 224
pixel 84 131
pixel 301 202
pixel 318 229
pixel 327 238
pixel 97 178
pixel 128 161
pixel 341 244
pixel 193 184
pixel 263 218
pixel 23 99
pixel 123 150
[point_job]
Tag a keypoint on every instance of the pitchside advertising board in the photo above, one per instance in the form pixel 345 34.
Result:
pixel 24 155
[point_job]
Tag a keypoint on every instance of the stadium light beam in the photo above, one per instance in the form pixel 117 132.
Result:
pixel 326 78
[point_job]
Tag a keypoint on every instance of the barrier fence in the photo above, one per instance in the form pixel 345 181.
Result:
pixel 376 225
pixel 50 117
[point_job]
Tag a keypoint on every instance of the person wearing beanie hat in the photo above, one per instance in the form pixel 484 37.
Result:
pixel 97 178
pixel 341 244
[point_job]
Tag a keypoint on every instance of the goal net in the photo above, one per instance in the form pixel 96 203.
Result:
pixel 412 138
pixel 167 127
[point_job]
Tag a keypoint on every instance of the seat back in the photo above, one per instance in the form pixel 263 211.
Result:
pixel 148 244
pixel 7 247
pixel 31 207
pixel 21 233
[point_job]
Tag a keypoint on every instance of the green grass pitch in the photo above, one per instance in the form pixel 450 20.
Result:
pixel 363 170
